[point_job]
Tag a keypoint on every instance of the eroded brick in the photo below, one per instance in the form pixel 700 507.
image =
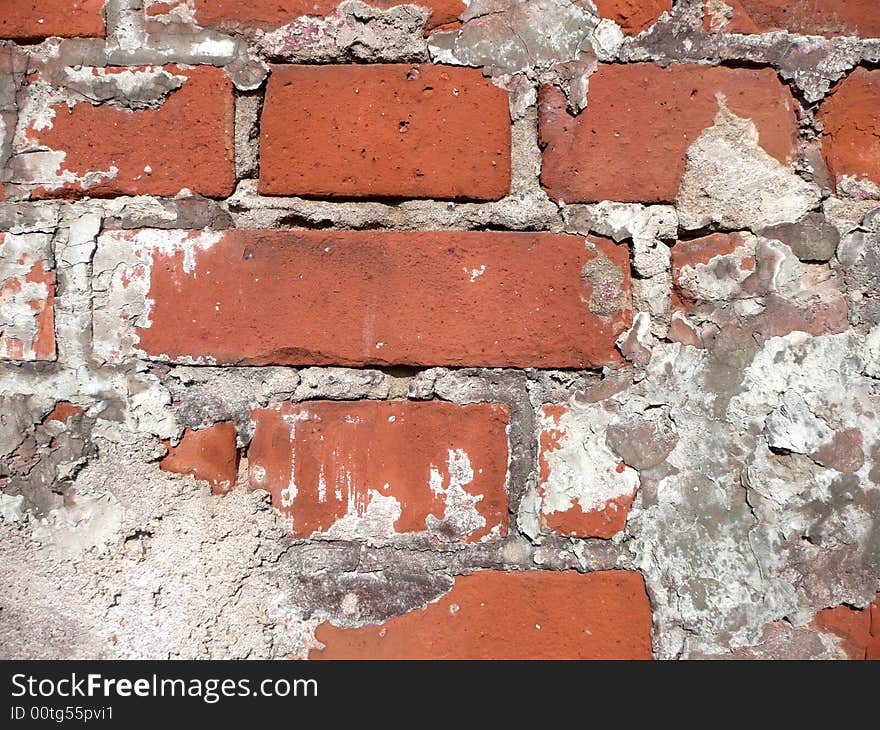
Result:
pixel 827 18
pixel 384 130
pixel 584 488
pixel 633 16
pixel 361 297
pixel 177 134
pixel 30 20
pixel 27 297
pixel 210 454
pixel 269 14
pixel 496 615
pixel 373 470
pixel 630 143
pixel 858 629
pixel 851 136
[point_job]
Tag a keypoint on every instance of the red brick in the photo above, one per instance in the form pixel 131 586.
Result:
pixel 270 14
pixel 27 298
pixel 579 495
pixel 858 629
pixel 209 454
pixel 385 130
pixel 630 143
pixel 62 412
pixel 851 120
pixel 186 143
pixel 374 297
pixel 35 19
pixel 633 16
pixel 372 469
pixel 828 18
pixel 495 615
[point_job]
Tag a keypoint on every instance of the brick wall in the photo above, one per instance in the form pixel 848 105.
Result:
pixel 522 329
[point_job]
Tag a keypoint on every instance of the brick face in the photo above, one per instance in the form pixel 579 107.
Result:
pixel 633 16
pixel 385 131
pixel 493 615
pixel 27 298
pixel 35 19
pixel 851 120
pixel 104 151
pixel 811 17
pixel 580 495
pixel 630 143
pixel 268 14
pixel 858 630
pixel 370 298
pixel 335 468
pixel 209 454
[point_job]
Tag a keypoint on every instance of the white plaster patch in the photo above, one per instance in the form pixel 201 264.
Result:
pixel 581 470
pixel 731 181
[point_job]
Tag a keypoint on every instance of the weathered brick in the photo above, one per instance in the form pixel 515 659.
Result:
pixel 384 130
pixel 630 143
pixel 496 615
pixel 30 20
pixel 361 297
pixel 584 489
pixel 828 18
pixel 269 14
pixel 62 412
pixel 27 297
pixel 851 120
pixel 373 469
pixel 209 454
pixel 633 16
pixel 104 150
pixel 859 630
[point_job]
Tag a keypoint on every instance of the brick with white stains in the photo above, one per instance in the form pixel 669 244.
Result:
pixel 458 298
pixel 27 297
pixel 104 132
pixel 370 470
pixel 584 488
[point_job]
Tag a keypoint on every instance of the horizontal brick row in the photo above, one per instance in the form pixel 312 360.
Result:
pixel 362 298
pixel 270 14
pixel 422 131
pixel 379 470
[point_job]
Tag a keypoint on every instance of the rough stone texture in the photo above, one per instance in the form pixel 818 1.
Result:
pixel 264 297
pixel 719 344
pixel 384 131
pixel 335 468
pixel 630 142
pixel 29 20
